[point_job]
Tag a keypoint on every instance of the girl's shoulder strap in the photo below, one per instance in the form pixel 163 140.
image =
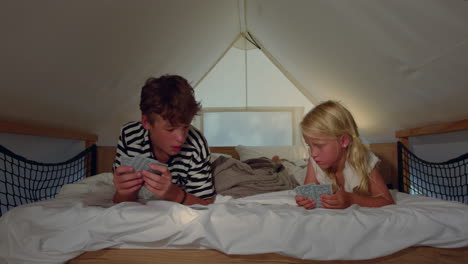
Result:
pixel 373 159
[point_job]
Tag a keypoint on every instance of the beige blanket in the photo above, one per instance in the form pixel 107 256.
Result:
pixel 254 176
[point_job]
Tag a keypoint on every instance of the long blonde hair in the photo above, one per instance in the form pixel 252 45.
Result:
pixel 333 119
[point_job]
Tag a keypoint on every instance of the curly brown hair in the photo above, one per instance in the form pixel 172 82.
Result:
pixel 171 97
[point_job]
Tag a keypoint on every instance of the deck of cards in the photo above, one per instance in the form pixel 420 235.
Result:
pixel 140 163
pixel 314 191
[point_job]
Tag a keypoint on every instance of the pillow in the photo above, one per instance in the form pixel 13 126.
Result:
pixel 214 156
pixel 284 152
pixel 296 168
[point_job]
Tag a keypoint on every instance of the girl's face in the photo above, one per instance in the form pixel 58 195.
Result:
pixel 325 150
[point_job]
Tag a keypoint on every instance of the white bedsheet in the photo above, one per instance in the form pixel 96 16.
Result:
pixel 83 218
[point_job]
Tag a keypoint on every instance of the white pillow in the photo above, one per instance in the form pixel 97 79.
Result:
pixel 284 152
pixel 296 168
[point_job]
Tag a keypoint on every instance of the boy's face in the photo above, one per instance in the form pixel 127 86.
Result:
pixel 166 139
pixel 325 150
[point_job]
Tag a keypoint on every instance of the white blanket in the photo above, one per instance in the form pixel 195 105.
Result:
pixel 83 218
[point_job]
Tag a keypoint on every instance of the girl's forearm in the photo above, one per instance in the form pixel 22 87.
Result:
pixel 369 201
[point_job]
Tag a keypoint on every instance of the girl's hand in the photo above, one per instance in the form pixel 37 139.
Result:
pixel 339 200
pixel 305 202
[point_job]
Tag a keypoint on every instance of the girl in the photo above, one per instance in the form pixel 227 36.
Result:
pixel 338 157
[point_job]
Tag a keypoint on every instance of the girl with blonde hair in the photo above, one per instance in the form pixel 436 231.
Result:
pixel 338 157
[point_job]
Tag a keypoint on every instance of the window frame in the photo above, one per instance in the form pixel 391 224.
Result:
pixel 296 113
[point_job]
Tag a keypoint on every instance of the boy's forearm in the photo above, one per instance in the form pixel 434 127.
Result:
pixel 192 199
pixel 118 198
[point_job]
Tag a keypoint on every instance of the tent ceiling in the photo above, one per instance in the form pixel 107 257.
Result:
pixel 80 64
pixel 395 64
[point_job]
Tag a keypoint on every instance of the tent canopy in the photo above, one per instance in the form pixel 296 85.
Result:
pixel 80 64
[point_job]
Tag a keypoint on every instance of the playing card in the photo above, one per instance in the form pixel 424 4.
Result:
pixel 321 189
pixel 306 190
pixel 140 163
pixel 313 191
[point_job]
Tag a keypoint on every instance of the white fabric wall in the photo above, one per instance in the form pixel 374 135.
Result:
pixel 225 85
pixel 248 79
pixel 440 147
pixel 42 149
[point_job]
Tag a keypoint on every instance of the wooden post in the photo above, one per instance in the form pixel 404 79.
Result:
pixel 404 162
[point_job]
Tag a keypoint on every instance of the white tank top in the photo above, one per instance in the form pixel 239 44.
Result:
pixel 351 178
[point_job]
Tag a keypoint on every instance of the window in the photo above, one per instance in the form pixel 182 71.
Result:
pixel 248 99
pixel 251 127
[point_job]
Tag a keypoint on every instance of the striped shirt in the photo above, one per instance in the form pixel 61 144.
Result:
pixel 190 167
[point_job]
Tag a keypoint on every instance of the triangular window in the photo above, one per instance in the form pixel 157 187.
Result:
pixel 248 100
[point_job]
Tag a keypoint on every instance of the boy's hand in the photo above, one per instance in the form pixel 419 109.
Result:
pixel 161 184
pixel 127 183
pixel 305 202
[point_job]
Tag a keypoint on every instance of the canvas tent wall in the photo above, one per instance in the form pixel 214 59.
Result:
pixel 80 64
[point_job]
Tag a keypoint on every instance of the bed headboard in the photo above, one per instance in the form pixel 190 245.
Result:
pixel 226 150
pixel 47 131
pixel 106 154
pixel 387 152
pixel 403 135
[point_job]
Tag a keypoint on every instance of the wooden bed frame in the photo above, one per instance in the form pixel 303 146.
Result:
pixel 386 152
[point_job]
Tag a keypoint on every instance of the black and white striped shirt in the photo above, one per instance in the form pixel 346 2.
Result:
pixel 190 167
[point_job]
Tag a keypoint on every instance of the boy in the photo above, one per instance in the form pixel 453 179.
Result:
pixel 164 134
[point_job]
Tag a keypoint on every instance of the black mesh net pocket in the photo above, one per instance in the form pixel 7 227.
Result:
pixel 444 180
pixel 25 181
